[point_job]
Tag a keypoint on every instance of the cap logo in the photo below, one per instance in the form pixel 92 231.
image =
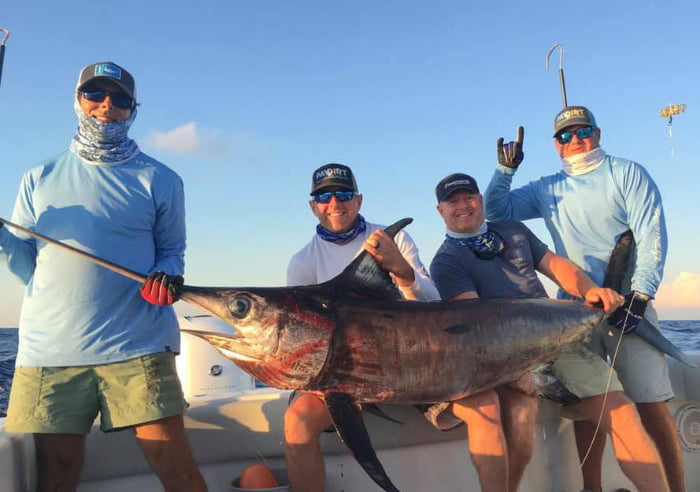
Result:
pixel 108 70
pixel 332 172
pixel 458 182
pixel 572 113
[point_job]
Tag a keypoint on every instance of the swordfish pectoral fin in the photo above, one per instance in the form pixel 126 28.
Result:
pixel 347 418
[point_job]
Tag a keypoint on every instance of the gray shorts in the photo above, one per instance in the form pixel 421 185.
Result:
pixel 642 369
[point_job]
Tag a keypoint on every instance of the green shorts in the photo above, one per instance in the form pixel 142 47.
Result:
pixel 66 400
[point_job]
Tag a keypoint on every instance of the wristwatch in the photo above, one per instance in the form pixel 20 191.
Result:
pixel 641 295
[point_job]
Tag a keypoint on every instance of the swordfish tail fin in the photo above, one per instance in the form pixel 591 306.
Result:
pixel 620 262
pixel 619 267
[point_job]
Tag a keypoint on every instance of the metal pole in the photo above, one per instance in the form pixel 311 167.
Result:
pixel 95 259
pixel 562 85
pixel 6 34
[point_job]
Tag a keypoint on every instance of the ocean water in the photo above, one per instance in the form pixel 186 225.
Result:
pixel 685 334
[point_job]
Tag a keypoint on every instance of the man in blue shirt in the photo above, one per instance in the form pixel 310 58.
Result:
pixel 586 206
pixel 89 343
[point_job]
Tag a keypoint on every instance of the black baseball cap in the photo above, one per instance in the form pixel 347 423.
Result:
pixel 454 182
pixel 108 71
pixel 333 176
pixel 573 115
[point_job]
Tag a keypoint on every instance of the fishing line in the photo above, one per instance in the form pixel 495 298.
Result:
pixel 607 390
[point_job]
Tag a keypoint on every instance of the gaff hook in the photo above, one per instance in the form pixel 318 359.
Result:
pixel 6 34
pixel 562 85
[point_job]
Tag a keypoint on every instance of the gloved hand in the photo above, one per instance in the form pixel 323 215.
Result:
pixel 628 316
pixel 161 289
pixel 511 154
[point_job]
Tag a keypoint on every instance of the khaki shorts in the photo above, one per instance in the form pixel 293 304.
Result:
pixel 66 400
pixel 642 369
pixel 584 373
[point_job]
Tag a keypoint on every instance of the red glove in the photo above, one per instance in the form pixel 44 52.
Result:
pixel 161 289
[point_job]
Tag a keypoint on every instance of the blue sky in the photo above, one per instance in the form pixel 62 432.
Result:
pixel 245 98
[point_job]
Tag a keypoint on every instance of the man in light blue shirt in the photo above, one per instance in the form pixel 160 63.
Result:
pixel 586 207
pixel 90 341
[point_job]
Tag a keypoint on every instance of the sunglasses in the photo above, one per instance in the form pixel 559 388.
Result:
pixel 120 100
pixel 566 137
pixel 341 196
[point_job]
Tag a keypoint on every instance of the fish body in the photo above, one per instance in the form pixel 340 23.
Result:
pixel 353 340
pixel 397 351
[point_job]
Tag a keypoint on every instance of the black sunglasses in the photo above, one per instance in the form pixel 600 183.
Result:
pixel 119 99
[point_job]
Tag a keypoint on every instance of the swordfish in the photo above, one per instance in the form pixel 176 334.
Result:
pixel 353 340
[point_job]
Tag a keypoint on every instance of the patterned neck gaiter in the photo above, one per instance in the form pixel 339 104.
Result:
pixel 343 237
pixel 103 143
pixel 483 243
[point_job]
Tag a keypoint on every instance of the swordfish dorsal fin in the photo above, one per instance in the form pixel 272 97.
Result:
pixel 347 419
pixel 364 277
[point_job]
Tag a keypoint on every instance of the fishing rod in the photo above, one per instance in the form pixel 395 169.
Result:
pixel 95 259
pixel 5 36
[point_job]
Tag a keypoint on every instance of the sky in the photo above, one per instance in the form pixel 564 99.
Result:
pixel 244 99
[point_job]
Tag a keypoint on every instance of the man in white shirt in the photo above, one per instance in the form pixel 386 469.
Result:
pixel 341 234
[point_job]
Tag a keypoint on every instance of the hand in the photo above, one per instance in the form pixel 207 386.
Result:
pixel 389 258
pixel 604 297
pixel 162 289
pixel 628 316
pixel 511 154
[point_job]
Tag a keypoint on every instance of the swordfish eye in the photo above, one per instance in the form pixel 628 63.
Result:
pixel 239 306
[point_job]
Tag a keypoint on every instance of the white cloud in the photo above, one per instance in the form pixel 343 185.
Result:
pixel 190 139
pixel 187 139
pixel 683 292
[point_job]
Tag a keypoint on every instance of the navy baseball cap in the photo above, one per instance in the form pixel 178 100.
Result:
pixel 333 176
pixel 454 182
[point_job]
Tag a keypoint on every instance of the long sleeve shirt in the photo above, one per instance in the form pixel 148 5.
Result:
pixel 586 214
pixel 75 312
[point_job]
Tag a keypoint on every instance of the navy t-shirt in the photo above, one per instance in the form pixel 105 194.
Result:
pixel 456 269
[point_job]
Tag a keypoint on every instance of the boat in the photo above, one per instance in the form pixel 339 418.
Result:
pixel 233 423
